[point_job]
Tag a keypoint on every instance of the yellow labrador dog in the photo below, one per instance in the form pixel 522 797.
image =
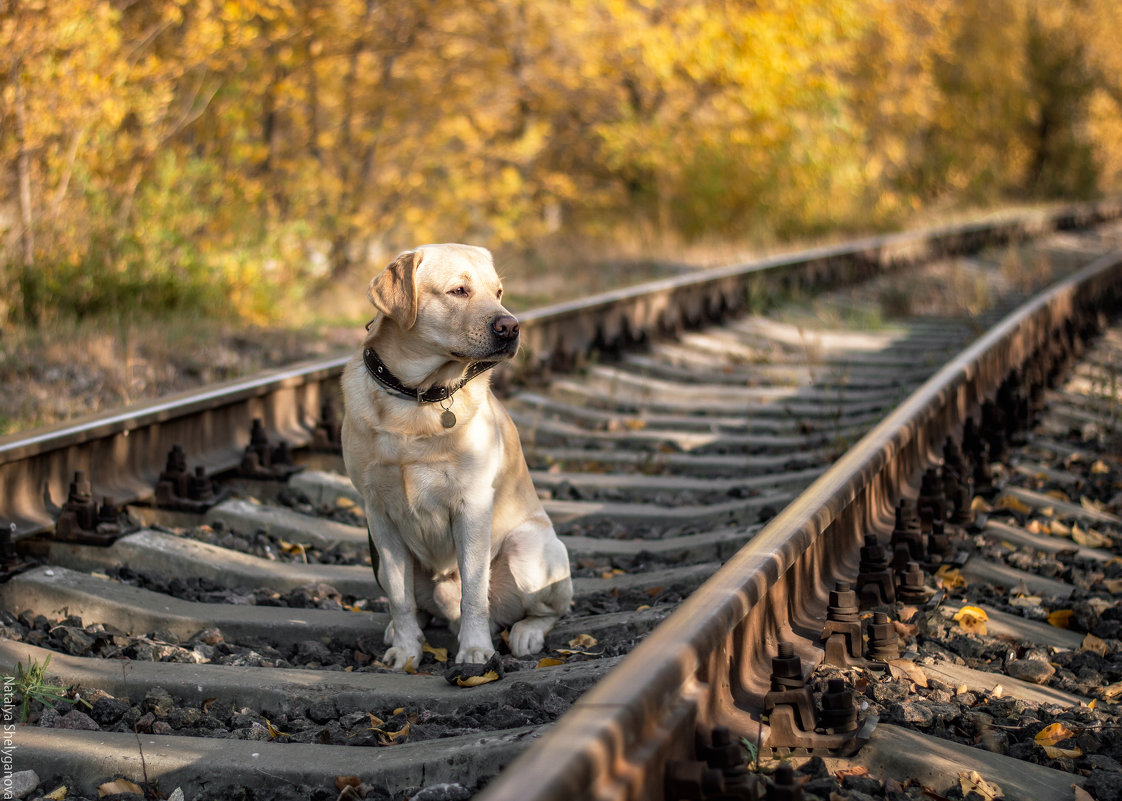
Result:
pixel 456 527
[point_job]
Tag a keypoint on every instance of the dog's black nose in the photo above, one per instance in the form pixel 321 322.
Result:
pixel 505 327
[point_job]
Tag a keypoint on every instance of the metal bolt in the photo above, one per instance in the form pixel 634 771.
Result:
pixel 911 586
pixel 883 644
pixel 843 604
pixel 687 780
pixel 784 786
pixel 786 669
pixel 839 713
pixel 200 487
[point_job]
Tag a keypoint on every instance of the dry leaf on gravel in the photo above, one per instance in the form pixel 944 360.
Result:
pixel 971 619
pixel 475 681
pixel 582 641
pixel 58 794
pixel 1090 538
pixel 1028 601
pixel 1053 733
pixel 439 654
pixel 1112 691
pixel 1055 753
pixel 1011 503
pixel 1094 645
pixel 905 668
pixel 856 770
pixel 1061 618
pixel 1113 586
pixel 391 737
pixel 347 781
pixel 1091 505
pixel 950 577
pixel 549 661
pixel 973 782
pixel 118 786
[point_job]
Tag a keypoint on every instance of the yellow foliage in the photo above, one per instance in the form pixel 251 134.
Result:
pixel 219 153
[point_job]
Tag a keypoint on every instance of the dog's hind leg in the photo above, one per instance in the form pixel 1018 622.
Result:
pixel 530 579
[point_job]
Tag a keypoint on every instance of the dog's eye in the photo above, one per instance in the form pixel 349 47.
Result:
pixel 500 295
pixel 460 291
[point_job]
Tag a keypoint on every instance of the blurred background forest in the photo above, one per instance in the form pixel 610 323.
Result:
pixel 227 157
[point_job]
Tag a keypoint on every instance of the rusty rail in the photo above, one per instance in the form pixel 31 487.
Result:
pixel 124 453
pixel 707 664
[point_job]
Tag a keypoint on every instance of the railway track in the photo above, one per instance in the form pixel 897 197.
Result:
pixel 710 488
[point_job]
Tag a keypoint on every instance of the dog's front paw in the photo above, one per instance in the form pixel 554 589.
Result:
pixel 474 654
pixel 398 657
pixel 526 638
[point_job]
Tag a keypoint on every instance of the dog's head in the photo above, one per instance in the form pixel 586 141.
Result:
pixel 449 298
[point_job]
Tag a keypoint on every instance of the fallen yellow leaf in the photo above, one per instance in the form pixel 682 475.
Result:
pixel 391 737
pixel 582 641
pixel 1012 503
pixel 951 578
pixel 550 661
pixel 1055 753
pixel 979 505
pixel 1053 733
pixel 1061 618
pixel 1099 467
pixel 375 721
pixel 439 654
pixel 973 782
pixel 971 619
pixel 1059 495
pixel 1091 504
pixel 1093 644
pixel 1112 691
pixel 57 794
pixel 399 710
pixel 1090 538
pixel 118 786
pixel 1058 529
pixel 905 668
pixel 274 732
pixel 409 666
pixel 475 681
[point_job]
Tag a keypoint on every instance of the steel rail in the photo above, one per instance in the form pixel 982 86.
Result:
pixel 708 663
pixel 124 452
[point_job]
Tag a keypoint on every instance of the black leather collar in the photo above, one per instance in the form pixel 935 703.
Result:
pixel 380 373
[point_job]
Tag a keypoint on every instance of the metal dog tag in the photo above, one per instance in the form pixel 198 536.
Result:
pixel 447 419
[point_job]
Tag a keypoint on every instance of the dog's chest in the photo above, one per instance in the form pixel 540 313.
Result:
pixel 421 499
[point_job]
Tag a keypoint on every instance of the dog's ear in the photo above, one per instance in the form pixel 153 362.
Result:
pixel 394 290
